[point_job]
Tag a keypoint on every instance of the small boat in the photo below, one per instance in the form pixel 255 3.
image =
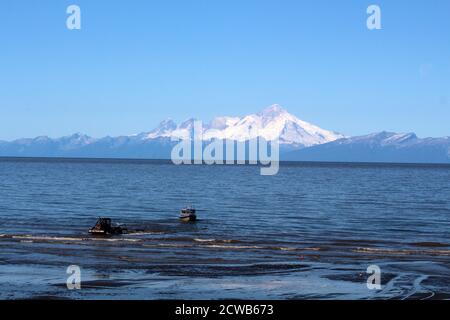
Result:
pixel 188 214
pixel 104 226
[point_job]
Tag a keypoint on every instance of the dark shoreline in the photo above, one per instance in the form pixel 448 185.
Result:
pixel 168 161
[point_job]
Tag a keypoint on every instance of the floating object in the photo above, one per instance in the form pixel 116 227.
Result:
pixel 188 214
pixel 105 227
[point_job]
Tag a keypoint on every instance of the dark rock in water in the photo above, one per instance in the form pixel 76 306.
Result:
pixel 105 227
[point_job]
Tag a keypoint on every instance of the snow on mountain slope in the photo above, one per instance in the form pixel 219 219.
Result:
pixel 378 147
pixel 221 123
pixel 271 123
pixel 163 130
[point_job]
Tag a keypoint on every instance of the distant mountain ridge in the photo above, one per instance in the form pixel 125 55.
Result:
pixel 299 141
pixel 378 147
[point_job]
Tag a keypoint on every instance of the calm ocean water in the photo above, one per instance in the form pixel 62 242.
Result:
pixel 309 232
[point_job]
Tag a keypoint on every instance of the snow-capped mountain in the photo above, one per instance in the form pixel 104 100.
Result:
pixel 271 123
pixel 300 141
pixel 378 147
pixel 164 129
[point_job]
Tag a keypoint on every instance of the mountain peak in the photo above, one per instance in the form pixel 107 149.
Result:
pixel 77 136
pixel 273 111
pixel 187 124
pixel 167 124
pixel 163 129
pixel 273 122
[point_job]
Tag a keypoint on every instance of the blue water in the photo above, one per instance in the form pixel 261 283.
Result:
pixel 309 232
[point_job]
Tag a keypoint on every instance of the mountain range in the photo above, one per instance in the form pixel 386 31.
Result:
pixel 378 147
pixel 299 141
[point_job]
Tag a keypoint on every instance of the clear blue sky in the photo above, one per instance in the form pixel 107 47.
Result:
pixel 135 63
